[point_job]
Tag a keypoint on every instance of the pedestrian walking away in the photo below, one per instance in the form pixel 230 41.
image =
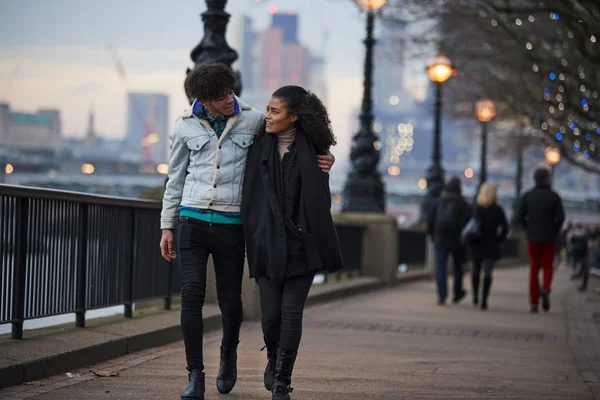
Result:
pixel 579 246
pixel 485 250
pixel 287 220
pixel 445 226
pixel 202 201
pixel 541 214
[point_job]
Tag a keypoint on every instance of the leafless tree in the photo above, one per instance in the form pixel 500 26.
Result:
pixel 538 60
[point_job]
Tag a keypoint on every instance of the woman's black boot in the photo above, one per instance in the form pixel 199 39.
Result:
pixel 269 377
pixel 195 389
pixel 487 284
pixel 283 375
pixel 475 286
pixel 228 370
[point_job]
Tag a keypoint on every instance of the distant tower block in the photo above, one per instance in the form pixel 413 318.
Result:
pixel 90 136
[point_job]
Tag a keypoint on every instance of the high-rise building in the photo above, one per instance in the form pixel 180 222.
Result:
pixel 389 89
pixel 269 60
pixel 247 55
pixel 396 121
pixel 37 133
pixel 288 23
pixel 280 59
pixel 242 37
pixel 318 84
pixel 90 135
pixel 147 127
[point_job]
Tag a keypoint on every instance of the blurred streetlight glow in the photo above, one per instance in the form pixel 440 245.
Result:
pixel 9 169
pixel 439 69
pixel 469 173
pixel 422 183
pixel 162 169
pixel 87 169
pixel 394 170
pixel 153 138
pixel 371 5
pixel 485 109
pixel 552 155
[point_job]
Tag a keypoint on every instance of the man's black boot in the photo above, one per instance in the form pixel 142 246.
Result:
pixel 227 371
pixel 195 389
pixel 545 300
pixel 283 375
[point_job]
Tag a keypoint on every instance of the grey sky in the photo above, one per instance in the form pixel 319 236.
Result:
pixel 170 25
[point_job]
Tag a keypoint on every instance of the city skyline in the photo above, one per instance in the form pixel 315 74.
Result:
pixel 71 66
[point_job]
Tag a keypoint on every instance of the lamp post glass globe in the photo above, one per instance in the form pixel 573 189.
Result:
pixel 552 155
pixel 439 69
pixel 371 5
pixel 485 109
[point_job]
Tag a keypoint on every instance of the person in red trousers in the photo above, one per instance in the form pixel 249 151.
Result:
pixel 541 214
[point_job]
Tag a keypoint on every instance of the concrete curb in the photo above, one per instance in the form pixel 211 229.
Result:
pixel 115 344
pixel 93 354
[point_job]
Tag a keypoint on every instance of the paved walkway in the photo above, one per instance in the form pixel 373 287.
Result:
pixel 392 344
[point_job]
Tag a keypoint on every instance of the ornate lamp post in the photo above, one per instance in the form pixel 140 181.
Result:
pixel 364 191
pixel 439 70
pixel 552 156
pixel 214 48
pixel 485 109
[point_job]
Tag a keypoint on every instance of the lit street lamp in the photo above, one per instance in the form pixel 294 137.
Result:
pixel 364 191
pixel 439 70
pixel 485 110
pixel 552 156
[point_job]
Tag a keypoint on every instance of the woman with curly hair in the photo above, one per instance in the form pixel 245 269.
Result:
pixel 287 222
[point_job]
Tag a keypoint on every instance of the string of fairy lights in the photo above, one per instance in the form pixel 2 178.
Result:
pixel 569 98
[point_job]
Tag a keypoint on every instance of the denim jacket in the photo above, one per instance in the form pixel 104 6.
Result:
pixel 206 171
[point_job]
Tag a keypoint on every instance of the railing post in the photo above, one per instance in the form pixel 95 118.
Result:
pixel 18 313
pixel 128 301
pixel 82 247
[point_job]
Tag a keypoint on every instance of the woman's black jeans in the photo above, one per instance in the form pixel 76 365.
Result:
pixel 195 241
pixel 282 308
pixel 488 268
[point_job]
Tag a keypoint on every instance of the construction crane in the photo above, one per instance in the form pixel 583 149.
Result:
pixel 149 121
pixel 13 77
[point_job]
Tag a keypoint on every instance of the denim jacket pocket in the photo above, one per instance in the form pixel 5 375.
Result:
pixel 243 141
pixel 198 142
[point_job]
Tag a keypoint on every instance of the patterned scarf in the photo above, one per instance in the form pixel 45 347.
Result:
pixel 218 122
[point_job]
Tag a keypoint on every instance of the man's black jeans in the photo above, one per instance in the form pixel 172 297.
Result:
pixel 195 241
pixel 282 308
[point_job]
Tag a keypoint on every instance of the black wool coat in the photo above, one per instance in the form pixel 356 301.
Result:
pixel 461 211
pixel 541 213
pixel 493 228
pixel 263 219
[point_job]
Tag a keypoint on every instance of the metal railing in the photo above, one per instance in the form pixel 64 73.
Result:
pixel 66 252
pixel 412 248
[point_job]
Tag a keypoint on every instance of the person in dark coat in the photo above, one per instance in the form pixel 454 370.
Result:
pixel 485 250
pixel 287 222
pixel 445 225
pixel 580 243
pixel 541 214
